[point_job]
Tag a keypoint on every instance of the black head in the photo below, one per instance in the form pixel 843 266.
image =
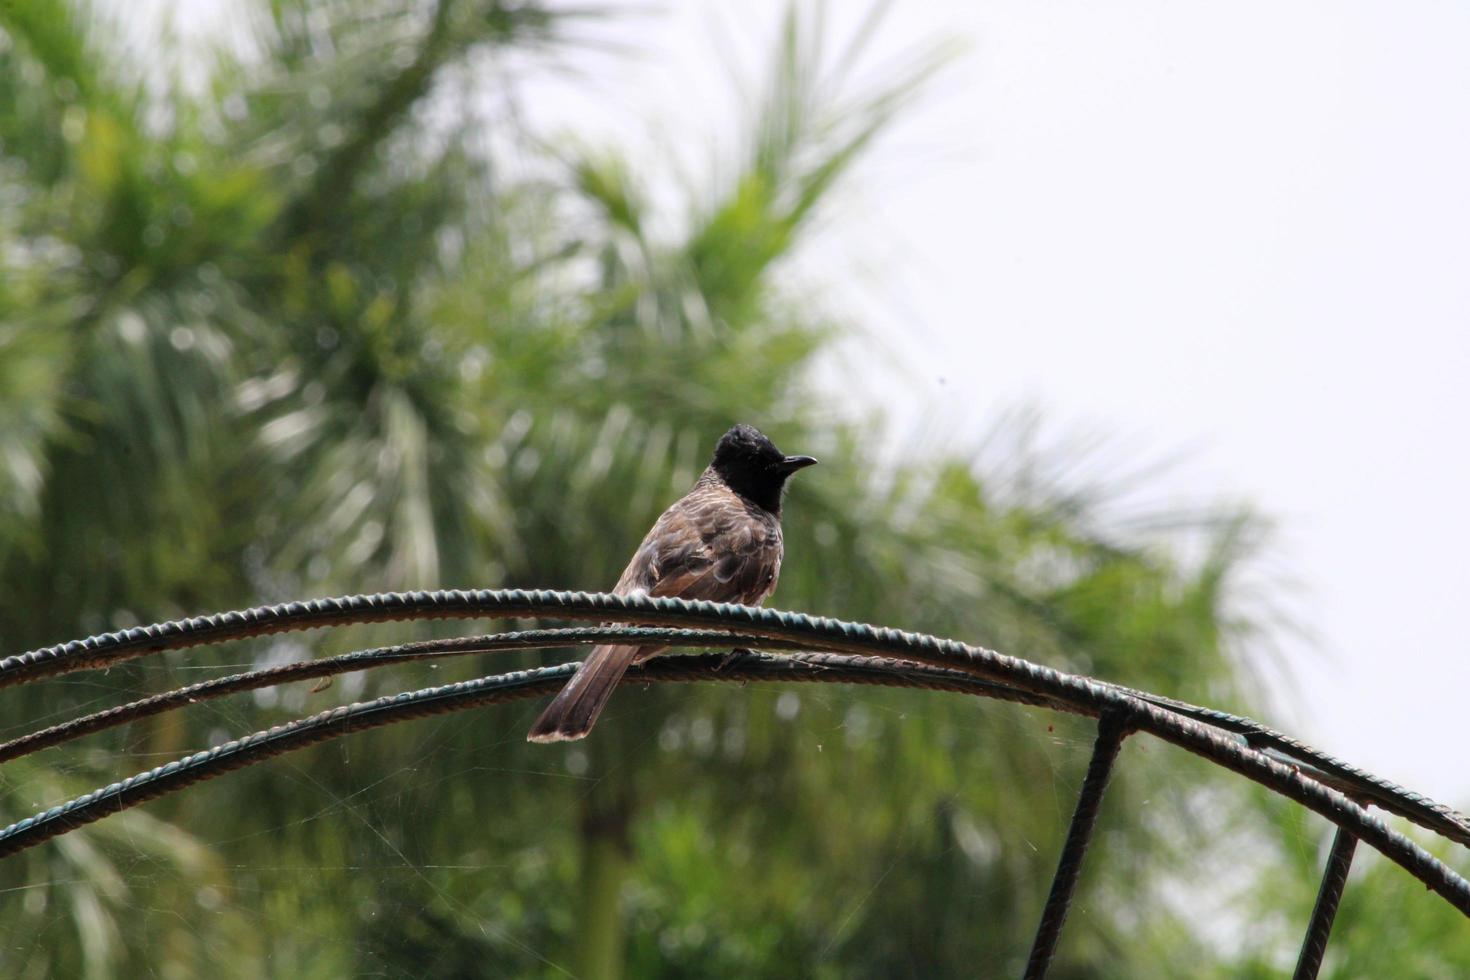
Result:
pixel 752 466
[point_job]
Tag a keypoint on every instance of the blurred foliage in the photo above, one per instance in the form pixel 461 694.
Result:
pixel 291 331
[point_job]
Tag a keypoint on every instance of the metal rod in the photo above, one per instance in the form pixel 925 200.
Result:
pixel 1334 877
pixel 1111 730
pixel 1069 692
pixel 495 689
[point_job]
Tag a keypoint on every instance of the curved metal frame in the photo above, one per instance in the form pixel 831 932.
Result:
pixel 849 653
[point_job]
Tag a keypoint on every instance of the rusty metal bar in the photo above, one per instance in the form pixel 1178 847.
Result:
pixel 1319 929
pixel 1232 750
pixel 1111 730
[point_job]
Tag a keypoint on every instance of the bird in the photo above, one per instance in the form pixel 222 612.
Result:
pixel 721 541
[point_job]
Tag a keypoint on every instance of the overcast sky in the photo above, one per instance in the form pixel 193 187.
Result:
pixel 1241 230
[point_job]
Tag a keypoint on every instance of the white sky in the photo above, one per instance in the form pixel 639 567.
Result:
pixel 1239 229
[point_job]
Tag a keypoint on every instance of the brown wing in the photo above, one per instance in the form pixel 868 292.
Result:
pixel 711 545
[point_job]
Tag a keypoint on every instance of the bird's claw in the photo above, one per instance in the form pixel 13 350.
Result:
pixel 739 653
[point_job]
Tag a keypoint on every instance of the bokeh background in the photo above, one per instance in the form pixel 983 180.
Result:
pixel 305 297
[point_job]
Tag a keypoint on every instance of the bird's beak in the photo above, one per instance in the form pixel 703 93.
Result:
pixel 793 463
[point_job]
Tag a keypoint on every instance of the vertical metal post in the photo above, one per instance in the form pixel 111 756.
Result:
pixel 1334 877
pixel 1111 731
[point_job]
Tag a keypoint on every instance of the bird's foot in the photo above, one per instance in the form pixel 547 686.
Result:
pixel 739 653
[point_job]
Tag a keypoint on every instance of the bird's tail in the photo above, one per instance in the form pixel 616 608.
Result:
pixel 571 714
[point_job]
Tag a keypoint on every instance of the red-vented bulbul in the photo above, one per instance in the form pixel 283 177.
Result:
pixel 721 541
